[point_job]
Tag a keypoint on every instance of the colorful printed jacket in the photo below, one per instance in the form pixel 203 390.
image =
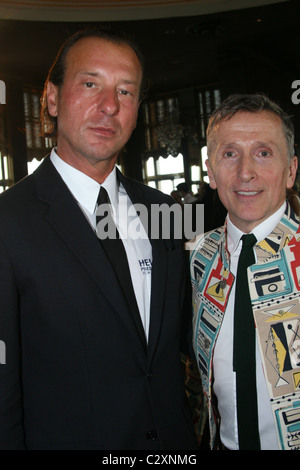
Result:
pixel 274 283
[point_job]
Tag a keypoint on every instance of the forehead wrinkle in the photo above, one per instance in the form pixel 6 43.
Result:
pixel 93 74
pixel 256 143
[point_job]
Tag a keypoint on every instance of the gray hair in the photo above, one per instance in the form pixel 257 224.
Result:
pixel 252 103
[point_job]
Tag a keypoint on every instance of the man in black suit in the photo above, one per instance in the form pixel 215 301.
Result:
pixel 91 363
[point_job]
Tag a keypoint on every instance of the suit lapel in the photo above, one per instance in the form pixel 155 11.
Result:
pixel 158 285
pixel 159 265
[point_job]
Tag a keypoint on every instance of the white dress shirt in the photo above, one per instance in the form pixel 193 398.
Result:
pixel 138 249
pixel 224 376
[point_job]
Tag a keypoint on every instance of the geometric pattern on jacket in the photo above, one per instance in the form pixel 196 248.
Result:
pixel 274 284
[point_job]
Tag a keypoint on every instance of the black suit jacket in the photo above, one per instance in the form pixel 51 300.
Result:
pixel 78 373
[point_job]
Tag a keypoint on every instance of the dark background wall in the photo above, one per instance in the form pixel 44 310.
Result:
pixel 240 50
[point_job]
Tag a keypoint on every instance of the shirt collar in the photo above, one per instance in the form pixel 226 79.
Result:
pixel 112 187
pixel 85 189
pixel 261 231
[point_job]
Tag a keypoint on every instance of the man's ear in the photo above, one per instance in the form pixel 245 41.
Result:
pixel 212 182
pixel 293 166
pixel 52 99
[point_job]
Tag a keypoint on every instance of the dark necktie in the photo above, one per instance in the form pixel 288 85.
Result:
pixel 109 230
pixel 244 362
pixel 114 248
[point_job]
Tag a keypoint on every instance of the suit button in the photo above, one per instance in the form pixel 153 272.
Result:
pixel 149 375
pixel 151 436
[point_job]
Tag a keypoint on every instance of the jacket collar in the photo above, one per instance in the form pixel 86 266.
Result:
pixel 280 236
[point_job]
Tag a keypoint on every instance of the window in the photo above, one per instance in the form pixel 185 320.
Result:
pixel 163 130
pixel 6 170
pixel 163 160
pixel 195 178
pixel 208 100
pixel 164 173
pixel 37 146
pixel 166 162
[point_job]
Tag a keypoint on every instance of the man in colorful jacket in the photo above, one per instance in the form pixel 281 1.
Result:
pixel 251 162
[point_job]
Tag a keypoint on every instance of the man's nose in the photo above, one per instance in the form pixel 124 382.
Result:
pixel 108 102
pixel 246 168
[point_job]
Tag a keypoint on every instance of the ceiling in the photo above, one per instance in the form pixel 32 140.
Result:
pixel 101 10
pixel 184 42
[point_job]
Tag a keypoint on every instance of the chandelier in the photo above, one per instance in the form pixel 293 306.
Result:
pixel 169 132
